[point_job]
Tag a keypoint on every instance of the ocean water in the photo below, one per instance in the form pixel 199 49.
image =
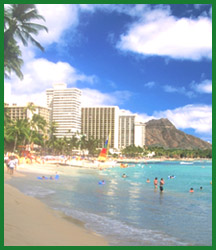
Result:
pixel 129 211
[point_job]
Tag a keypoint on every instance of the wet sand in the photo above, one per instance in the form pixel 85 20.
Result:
pixel 29 222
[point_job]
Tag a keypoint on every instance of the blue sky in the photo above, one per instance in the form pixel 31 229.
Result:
pixel 152 60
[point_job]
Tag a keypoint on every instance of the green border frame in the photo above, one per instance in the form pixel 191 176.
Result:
pixel 111 2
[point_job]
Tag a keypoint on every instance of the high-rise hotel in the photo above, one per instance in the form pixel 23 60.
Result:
pixel 65 106
pixel 126 130
pixel 98 122
pixel 131 131
pixel 17 112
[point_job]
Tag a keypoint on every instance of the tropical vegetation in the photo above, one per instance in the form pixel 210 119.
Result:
pixel 22 133
pixel 133 151
pixel 19 26
pixel 19 133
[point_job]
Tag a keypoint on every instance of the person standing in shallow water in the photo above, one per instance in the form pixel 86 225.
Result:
pixel 155 182
pixel 161 184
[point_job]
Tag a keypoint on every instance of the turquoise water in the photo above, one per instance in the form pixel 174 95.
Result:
pixel 129 211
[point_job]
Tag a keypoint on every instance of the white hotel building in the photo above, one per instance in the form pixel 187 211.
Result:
pixel 131 131
pixel 65 106
pixel 96 122
pixel 125 130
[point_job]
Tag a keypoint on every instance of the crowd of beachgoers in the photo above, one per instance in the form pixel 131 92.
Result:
pixel 11 160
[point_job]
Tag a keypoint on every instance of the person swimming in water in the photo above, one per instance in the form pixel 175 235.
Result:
pixel 124 176
pixel 191 190
pixel 147 180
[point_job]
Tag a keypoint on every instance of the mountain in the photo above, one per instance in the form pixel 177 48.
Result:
pixel 163 133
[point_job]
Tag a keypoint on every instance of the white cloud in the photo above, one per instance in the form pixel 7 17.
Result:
pixel 197 117
pixel 170 89
pixel 121 96
pixel 22 99
pixel 142 117
pixel 40 74
pixel 179 90
pixel 161 34
pixel 128 9
pixel 59 17
pixel 93 97
pixel 204 87
pixel 90 97
pixel 149 84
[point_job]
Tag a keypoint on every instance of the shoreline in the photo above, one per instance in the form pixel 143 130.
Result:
pixel 29 222
pixel 22 214
pixel 103 165
pixel 130 160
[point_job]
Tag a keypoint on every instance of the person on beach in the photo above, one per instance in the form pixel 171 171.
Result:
pixel 11 166
pixel 161 184
pixel 7 160
pixel 155 182
pixel 16 162
pixel 191 190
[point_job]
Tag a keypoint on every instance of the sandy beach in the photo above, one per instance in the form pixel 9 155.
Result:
pixel 29 222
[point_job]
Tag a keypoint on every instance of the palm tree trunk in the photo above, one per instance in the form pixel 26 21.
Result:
pixel 15 143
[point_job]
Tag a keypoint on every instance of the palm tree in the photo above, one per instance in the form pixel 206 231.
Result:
pixel 61 145
pixel 82 143
pixel 7 119
pixel 91 145
pixel 38 125
pixel 52 138
pixel 18 26
pixel 12 60
pixel 52 129
pixel 18 130
pixel 30 107
pixel 74 142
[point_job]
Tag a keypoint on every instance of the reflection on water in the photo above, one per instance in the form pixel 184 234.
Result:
pixel 130 211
